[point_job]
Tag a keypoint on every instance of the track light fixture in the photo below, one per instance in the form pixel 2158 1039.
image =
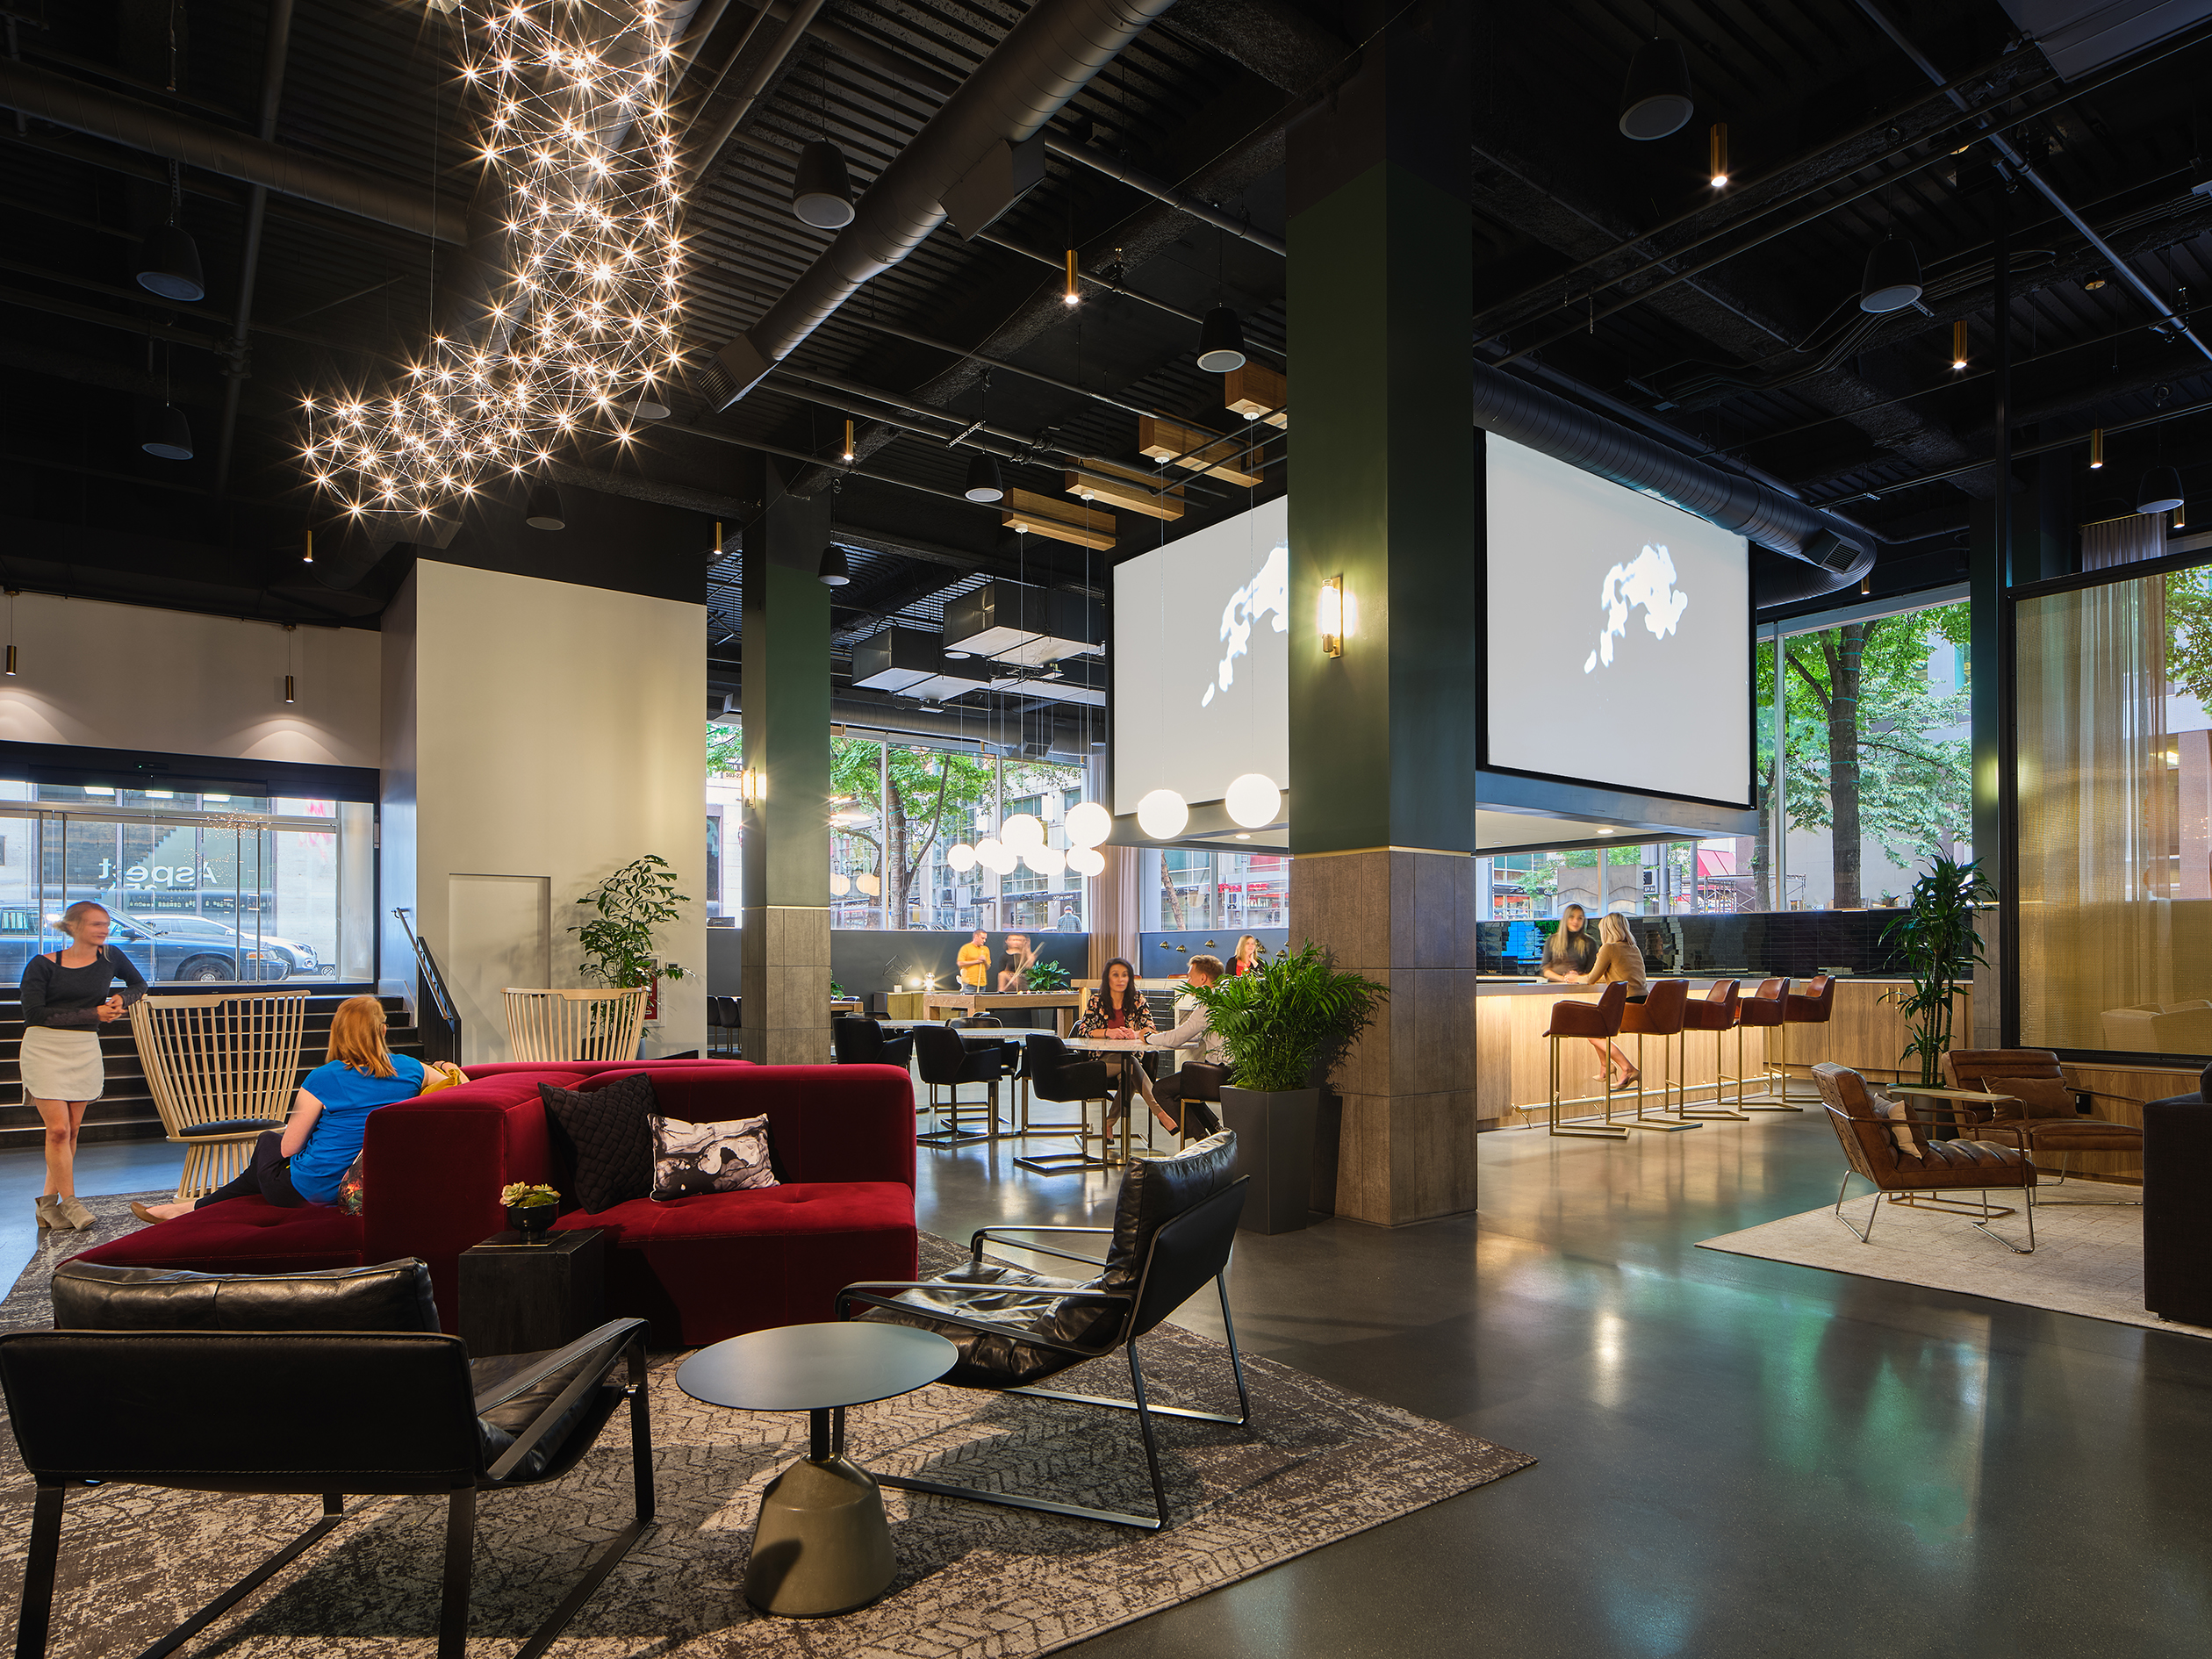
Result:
pixel 1893 277
pixel 821 189
pixel 1221 348
pixel 1717 154
pixel 1072 295
pixel 169 434
pixel 2160 491
pixel 984 484
pixel 544 511
pixel 2096 448
pixel 1656 102
pixel 1958 345
pixel 833 572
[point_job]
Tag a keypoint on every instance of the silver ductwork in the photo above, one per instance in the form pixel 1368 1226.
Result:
pixel 1827 554
pixel 1045 58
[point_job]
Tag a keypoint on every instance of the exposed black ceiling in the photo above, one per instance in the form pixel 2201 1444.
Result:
pixel 1608 270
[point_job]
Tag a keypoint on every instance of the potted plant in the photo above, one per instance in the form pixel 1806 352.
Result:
pixel 1041 976
pixel 530 1209
pixel 618 942
pixel 1284 1027
pixel 1936 939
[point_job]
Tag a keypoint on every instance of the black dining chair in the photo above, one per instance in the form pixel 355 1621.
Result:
pixel 860 1042
pixel 1056 1073
pixel 946 1063
pixel 316 1384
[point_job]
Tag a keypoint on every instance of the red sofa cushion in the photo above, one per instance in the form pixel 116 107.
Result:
pixel 241 1235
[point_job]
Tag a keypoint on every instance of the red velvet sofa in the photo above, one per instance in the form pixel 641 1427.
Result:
pixel 700 1268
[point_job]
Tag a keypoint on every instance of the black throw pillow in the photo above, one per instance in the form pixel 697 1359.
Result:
pixel 604 1137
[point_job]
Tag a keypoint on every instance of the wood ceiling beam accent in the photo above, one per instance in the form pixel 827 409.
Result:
pixel 1257 392
pixel 1033 506
pixel 1136 498
pixel 1193 448
pixel 1056 530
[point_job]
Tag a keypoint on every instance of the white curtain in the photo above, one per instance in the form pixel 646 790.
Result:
pixel 2140 535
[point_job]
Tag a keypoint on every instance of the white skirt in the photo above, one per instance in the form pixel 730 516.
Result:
pixel 61 1063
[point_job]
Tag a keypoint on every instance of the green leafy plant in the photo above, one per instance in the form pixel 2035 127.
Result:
pixel 1935 937
pixel 1286 1024
pixel 522 1194
pixel 1041 975
pixel 618 942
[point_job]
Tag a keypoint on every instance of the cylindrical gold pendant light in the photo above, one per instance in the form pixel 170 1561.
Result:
pixel 2096 448
pixel 1717 150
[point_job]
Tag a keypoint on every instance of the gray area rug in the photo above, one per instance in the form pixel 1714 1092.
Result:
pixel 2087 1260
pixel 976 1581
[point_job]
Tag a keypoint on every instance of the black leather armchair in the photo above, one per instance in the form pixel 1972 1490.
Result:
pixel 1174 1222
pixel 946 1062
pixel 312 1382
pixel 858 1042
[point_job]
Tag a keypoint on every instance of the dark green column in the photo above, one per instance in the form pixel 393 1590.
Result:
pixel 785 851
pixel 1384 494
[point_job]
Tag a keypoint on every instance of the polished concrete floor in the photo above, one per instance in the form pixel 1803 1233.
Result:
pixel 1738 1457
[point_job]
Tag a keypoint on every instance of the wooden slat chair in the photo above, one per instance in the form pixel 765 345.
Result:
pixel 574 1026
pixel 222 1069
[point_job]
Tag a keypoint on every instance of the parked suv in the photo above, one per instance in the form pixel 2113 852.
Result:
pixel 163 947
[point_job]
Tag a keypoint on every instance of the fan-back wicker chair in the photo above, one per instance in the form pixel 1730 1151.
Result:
pixel 574 1026
pixel 222 1069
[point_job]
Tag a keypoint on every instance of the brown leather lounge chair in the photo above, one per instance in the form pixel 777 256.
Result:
pixel 1930 1169
pixel 2044 1118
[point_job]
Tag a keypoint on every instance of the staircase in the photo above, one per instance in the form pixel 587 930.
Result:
pixel 125 1110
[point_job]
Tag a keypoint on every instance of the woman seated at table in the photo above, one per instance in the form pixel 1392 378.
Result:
pixel 304 1162
pixel 1114 1008
pixel 1618 959
pixel 1570 949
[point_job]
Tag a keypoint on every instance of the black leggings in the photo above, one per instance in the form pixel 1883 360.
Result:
pixel 268 1176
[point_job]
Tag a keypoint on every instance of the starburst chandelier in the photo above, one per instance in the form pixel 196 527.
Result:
pixel 582 326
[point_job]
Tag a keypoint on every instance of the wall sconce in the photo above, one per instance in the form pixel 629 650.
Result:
pixel 752 785
pixel 1331 619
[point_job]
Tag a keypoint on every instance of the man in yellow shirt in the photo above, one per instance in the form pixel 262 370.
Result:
pixel 975 961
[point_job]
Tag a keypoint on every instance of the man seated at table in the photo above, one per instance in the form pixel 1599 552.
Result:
pixel 1192 1031
pixel 974 961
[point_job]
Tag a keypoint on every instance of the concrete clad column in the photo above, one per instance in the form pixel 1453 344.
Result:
pixel 1383 494
pixel 786 846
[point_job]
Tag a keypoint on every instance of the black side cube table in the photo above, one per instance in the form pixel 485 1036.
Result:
pixel 524 1298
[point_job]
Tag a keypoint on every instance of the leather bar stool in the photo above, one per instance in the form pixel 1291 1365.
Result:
pixel 1659 1015
pixel 1715 1013
pixel 1765 1012
pixel 1815 1005
pixel 1601 1020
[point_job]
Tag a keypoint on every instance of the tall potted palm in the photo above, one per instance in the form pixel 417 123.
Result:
pixel 1284 1026
pixel 1936 938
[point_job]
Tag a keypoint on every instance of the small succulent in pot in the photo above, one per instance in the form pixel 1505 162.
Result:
pixel 530 1209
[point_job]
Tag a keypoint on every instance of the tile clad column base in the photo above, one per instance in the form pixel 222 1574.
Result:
pixel 787 984
pixel 1405 1112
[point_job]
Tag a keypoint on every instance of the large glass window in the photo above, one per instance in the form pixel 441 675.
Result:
pixel 1183 891
pixel 2115 785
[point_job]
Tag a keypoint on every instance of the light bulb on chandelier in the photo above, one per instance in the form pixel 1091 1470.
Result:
pixel 1022 829
pixel 959 858
pixel 1046 861
pixel 1163 815
pixel 1087 861
pixel 1254 800
pixel 1089 824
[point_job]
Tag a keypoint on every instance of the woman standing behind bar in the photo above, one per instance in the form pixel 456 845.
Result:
pixel 1248 956
pixel 1569 951
pixel 65 1005
pixel 1617 958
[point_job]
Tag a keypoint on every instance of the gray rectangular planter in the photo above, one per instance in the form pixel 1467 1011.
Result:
pixel 1275 1146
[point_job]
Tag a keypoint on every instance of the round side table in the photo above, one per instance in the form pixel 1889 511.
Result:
pixel 822 1544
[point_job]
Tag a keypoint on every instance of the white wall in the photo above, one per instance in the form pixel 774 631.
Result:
pixel 542 730
pixel 104 676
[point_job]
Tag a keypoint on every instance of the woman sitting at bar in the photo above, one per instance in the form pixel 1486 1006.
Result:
pixel 304 1162
pixel 1617 958
pixel 1569 951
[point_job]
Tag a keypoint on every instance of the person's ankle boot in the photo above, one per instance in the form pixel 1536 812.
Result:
pixel 71 1209
pixel 49 1218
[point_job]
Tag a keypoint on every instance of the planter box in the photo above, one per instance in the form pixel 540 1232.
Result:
pixel 1275 1146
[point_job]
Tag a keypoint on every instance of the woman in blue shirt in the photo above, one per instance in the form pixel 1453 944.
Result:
pixel 304 1162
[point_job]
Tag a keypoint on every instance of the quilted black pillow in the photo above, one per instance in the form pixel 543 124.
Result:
pixel 603 1139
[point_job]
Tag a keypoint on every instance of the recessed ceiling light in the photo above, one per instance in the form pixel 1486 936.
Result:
pixel 1604 831
pixel 1244 835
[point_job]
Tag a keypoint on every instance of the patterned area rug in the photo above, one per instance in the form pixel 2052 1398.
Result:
pixel 975 1580
pixel 2088 1258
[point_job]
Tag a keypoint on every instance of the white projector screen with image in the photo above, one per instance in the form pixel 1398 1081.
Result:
pixel 1201 658
pixel 1620 634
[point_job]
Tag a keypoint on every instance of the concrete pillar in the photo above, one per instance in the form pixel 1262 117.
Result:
pixel 786 851
pixel 1383 494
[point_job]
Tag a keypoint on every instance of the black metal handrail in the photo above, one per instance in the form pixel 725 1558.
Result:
pixel 440 1038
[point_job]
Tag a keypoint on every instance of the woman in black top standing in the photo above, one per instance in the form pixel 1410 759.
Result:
pixel 66 1004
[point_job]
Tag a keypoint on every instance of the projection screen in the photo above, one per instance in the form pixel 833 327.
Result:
pixel 1619 639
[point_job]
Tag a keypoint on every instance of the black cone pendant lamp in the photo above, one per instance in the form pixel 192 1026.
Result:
pixel 984 483
pixel 168 264
pixel 821 190
pixel 833 572
pixel 1656 101
pixel 2160 491
pixel 169 434
pixel 543 510
pixel 1892 276
pixel 1220 341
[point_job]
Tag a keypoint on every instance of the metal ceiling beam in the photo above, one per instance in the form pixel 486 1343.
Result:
pixel 274 52
pixel 156 131
pixel 1181 200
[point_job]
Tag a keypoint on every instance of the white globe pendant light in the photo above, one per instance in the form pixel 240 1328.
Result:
pixel 1087 861
pixel 871 884
pixel 959 857
pixel 987 850
pixel 1163 814
pixel 1022 829
pixel 1047 861
pixel 839 885
pixel 1089 824
pixel 1252 800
